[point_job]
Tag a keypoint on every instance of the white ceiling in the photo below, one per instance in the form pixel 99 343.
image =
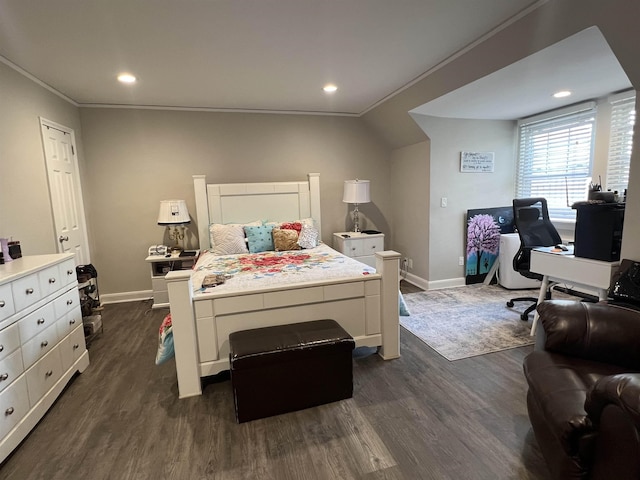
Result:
pixel 271 55
pixel 583 64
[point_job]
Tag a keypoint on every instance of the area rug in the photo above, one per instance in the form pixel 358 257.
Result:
pixel 467 321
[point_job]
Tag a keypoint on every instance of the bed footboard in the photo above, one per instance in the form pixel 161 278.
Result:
pixel 366 307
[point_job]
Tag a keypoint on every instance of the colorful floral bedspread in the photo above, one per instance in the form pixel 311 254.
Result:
pixel 260 270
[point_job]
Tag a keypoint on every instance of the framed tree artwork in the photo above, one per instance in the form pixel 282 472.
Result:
pixel 484 227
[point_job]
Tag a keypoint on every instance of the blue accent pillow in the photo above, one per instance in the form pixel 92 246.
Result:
pixel 259 238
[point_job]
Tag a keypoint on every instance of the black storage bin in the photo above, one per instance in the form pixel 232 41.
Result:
pixel 290 367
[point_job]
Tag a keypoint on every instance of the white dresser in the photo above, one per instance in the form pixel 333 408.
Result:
pixel 41 340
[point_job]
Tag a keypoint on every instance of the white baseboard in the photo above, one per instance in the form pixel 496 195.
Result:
pixel 447 283
pixel 434 285
pixel 415 280
pixel 125 297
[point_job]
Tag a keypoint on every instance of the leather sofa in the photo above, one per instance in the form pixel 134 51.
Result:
pixel 584 390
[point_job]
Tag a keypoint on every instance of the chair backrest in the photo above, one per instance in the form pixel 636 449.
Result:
pixel 531 219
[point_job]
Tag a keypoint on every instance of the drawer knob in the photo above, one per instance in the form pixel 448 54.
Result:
pixel 52 280
pixel 40 321
pixel 69 302
pixel 76 346
pixel 29 291
pixel 3 377
pixel 69 272
pixel 44 344
pixel 49 373
pixel 72 321
pixel 2 303
pixel 9 411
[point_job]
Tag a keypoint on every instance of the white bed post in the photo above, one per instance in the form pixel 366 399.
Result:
pixel 202 210
pixel 388 265
pixel 314 199
pixel 185 341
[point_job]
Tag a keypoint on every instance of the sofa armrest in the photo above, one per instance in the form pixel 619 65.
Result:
pixel 622 391
pixel 594 331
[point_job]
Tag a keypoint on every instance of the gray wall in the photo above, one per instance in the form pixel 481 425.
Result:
pixel 410 179
pixel 25 210
pixel 463 191
pixel 135 158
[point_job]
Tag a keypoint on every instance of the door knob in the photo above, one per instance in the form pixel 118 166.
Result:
pixel 64 238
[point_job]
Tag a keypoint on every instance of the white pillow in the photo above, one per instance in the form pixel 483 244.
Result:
pixel 308 237
pixel 228 239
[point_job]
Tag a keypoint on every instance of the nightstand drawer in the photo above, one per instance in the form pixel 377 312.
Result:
pixel 353 248
pixel 372 245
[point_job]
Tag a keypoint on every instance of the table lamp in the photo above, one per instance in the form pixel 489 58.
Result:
pixel 356 192
pixel 174 213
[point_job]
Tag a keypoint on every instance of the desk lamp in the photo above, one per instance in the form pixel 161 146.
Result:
pixel 356 192
pixel 174 213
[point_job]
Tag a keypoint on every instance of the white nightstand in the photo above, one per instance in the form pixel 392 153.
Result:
pixel 360 246
pixel 160 266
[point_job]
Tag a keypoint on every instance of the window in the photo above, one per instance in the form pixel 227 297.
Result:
pixel 555 155
pixel 623 117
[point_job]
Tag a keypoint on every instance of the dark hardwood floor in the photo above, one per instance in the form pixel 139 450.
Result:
pixel 417 417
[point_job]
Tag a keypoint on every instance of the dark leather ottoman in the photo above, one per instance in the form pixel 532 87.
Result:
pixel 290 367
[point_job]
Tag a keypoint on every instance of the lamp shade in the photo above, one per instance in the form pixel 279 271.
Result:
pixel 173 212
pixel 356 191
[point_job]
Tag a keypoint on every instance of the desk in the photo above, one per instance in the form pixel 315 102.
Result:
pixel 594 275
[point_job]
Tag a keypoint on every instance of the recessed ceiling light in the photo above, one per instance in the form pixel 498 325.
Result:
pixel 127 78
pixel 330 88
pixel 562 94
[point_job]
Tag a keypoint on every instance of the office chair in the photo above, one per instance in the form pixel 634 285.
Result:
pixel 531 219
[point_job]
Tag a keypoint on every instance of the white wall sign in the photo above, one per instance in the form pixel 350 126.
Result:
pixel 476 162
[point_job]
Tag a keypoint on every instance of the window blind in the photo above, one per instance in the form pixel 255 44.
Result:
pixel 623 117
pixel 555 154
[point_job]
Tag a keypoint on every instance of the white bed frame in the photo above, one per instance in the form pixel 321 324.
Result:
pixel 365 306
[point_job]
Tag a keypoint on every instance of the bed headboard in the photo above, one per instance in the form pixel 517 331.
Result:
pixel 247 202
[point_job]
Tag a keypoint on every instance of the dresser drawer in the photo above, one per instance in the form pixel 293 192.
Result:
pixel 14 405
pixel 39 346
pixel 67 272
pixel 26 291
pixel 72 347
pixel 66 302
pixel 43 375
pixel 36 322
pixel 49 280
pixel 9 340
pixel 6 302
pixel 10 369
pixel 68 322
